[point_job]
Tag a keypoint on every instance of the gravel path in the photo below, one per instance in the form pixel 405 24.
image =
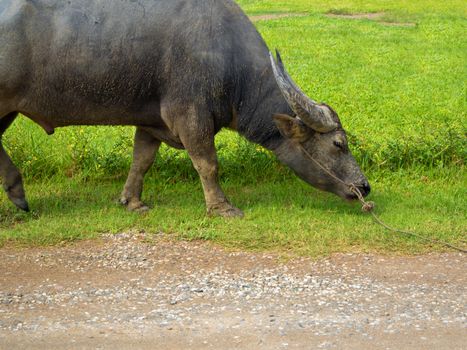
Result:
pixel 132 291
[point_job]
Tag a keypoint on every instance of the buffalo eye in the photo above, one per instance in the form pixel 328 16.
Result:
pixel 339 144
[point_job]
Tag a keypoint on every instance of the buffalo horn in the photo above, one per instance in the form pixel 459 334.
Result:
pixel 317 117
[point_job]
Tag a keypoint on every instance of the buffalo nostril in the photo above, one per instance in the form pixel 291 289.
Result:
pixel 366 188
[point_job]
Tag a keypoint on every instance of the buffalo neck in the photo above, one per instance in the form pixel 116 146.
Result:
pixel 262 99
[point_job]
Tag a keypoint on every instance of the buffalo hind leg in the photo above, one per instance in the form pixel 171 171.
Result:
pixel 144 153
pixel 9 174
pixel 198 140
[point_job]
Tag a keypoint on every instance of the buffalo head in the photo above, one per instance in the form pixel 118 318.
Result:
pixel 313 139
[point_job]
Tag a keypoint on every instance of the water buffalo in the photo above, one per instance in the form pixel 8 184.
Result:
pixel 179 71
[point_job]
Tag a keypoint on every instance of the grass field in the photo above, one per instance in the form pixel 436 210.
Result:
pixel 398 83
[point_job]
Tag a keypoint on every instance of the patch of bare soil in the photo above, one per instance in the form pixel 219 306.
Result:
pixel 399 24
pixel 274 16
pixel 134 290
pixel 375 16
pixel 372 16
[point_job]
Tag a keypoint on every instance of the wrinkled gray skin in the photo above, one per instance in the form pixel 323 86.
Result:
pixel 178 70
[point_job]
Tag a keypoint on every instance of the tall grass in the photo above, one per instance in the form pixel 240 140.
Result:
pixel 106 152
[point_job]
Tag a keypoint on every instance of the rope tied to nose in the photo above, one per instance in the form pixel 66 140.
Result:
pixel 368 207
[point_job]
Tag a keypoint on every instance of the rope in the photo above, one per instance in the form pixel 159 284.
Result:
pixel 368 207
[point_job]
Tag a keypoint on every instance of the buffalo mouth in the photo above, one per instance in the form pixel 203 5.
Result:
pixel 351 197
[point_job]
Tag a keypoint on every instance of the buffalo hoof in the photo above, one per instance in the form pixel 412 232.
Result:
pixel 134 205
pixel 226 211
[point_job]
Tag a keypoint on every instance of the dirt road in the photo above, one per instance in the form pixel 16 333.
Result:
pixel 133 291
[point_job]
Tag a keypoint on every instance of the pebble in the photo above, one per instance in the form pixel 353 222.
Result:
pixel 323 297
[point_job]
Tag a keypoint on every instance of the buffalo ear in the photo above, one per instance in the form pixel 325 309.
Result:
pixel 291 127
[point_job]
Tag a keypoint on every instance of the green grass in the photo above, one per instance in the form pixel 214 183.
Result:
pixel 416 8
pixel 285 215
pixel 401 95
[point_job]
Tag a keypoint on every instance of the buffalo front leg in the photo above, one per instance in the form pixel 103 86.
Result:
pixel 201 149
pixel 9 174
pixel 144 153
pixel 207 167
